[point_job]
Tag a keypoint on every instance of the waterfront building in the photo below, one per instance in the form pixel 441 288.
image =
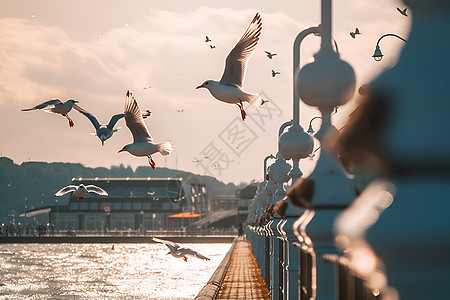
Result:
pixel 134 204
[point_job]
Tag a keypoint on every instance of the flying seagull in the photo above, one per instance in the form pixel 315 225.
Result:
pixel 403 12
pixel 142 140
pixel 176 251
pixel 81 190
pixel 229 89
pixel 270 55
pixel 263 101
pixel 274 73
pixel 212 46
pixel 57 107
pixel 207 39
pixel 104 132
pixel 353 34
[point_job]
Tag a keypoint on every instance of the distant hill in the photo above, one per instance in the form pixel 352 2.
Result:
pixel 33 184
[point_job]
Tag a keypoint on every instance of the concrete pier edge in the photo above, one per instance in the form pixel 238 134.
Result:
pixel 211 289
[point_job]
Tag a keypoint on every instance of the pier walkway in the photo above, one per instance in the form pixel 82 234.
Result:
pixel 242 279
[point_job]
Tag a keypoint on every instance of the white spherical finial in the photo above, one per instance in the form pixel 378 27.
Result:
pixel 295 144
pixel 326 83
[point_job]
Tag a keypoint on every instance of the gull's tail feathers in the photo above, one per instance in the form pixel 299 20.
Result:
pixel 165 148
pixel 253 99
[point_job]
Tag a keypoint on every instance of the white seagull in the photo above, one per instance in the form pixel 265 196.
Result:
pixel 104 132
pixel 229 89
pixel 142 140
pixel 177 252
pixel 81 190
pixel 57 107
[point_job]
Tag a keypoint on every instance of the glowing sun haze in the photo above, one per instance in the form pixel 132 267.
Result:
pixel 95 51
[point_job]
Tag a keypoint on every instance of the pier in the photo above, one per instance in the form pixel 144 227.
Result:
pixel 237 277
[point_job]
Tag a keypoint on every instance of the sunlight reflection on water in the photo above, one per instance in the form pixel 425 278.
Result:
pixel 95 271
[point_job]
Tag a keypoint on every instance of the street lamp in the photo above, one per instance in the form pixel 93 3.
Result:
pixel 310 128
pixel 378 55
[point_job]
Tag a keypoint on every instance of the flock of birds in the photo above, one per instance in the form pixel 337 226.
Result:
pixel 228 89
pixel 401 11
pixel 142 145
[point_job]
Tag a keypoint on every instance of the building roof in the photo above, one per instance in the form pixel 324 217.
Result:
pixel 106 179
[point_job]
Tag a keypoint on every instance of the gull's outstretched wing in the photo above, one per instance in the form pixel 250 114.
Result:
pixel 65 190
pixel 90 116
pixel 95 189
pixel 44 105
pixel 236 62
pixel 135 121
pixel 173 247
pixel 190 252
pixel 114 120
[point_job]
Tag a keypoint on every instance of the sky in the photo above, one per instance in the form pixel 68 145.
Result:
pixel 94 51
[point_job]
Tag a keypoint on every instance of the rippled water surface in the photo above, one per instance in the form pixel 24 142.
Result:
pixel 95 271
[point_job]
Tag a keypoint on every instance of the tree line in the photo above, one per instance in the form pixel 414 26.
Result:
pixel 33 184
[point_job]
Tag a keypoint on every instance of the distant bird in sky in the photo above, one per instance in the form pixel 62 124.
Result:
pixel 147 87
pixel 57 107
pixel 180 110
pixel 270 55
pixel 274 73
pixel 263 101
pixel 212 46
pixel 104 132
pixel 142 140
pixel 177 252
pixel 81 190
pixel 207 39
pixel 229 89
pixel 353 34
pixel 403 12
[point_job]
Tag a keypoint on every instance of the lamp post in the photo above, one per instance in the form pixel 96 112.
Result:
pixel 377 55
pixel 327 82
pixel 294 144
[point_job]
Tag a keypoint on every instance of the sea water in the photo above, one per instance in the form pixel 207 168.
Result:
pixel 101 271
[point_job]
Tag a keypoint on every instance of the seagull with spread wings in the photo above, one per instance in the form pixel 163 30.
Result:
pixel 81 190
pixel 142 140
pixel 354 33
pixel 403 11
pixel 269 54
pixel 177 252
pixel 56 106
pixel 104 132
pixel 229 89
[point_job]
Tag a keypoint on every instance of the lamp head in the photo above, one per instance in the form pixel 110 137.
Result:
pixel 310 129
pixel 377 55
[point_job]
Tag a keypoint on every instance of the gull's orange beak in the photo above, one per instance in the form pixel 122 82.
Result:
pixel 120 151
pixel 200 86
pixel 77 101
